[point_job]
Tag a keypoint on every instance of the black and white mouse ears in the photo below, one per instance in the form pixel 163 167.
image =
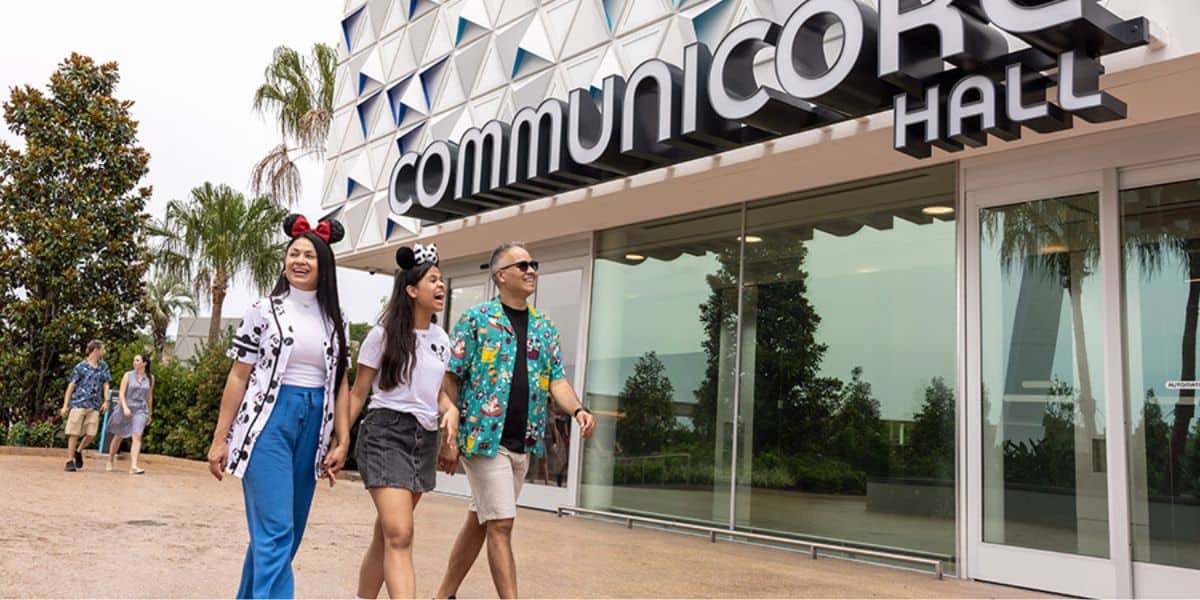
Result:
pixel 407 258
pixel 330 230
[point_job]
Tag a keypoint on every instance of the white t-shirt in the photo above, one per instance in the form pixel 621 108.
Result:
pixel 306 364
pixel 419 396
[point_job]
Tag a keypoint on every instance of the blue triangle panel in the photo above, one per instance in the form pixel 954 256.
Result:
pixel 462 28
pixel 706 23
pixel 348 25
pixel 393 94
pixel 333 214
pixel 517 62
pixel 412 7
pixel 407 142
pixel 390 226
pixel 609 7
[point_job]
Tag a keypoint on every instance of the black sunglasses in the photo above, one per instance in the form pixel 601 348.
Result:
pixel 523 265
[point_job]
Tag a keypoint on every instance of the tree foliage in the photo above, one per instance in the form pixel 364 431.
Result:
pixel 226 240
pixel 298 92
pixel 72 252
pixel 649 419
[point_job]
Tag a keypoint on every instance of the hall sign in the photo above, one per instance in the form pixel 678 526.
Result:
pixel 943 66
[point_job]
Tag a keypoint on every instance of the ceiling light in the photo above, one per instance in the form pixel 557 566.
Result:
pixel 751 239
pixel 865 270
pixel 634 257
pixel 937 211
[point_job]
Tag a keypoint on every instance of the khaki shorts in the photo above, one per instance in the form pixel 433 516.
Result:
pixel 81 420
pixel 495 483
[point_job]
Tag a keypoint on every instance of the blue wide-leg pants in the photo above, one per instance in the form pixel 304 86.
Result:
pixel 278 488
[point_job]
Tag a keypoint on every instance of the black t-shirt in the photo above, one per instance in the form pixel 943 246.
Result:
pixel 516 418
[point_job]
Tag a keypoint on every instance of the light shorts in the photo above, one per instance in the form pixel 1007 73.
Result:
pixel 495 483
pixel 81 420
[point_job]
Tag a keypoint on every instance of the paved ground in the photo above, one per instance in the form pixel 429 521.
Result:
pixel 175 532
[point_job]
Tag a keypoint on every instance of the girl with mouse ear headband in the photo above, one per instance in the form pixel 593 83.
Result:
pixel 400 366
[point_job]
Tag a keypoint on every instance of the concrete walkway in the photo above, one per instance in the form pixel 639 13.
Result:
pixel 176 532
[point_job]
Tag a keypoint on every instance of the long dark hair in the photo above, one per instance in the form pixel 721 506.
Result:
pixel 145 361
pixel 399 339
pixel 327 291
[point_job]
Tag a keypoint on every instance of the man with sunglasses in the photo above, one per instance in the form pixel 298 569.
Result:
pixel 505 367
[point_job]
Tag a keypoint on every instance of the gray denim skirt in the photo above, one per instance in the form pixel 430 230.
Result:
pixel 393 450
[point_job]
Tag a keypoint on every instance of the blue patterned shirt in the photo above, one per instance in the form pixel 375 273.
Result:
pixel 89 384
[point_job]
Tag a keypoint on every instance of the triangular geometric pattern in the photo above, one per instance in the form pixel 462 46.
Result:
pixel 712 20
pixel 420 7
pixel 414 71
pixel 378 11
pixel 511 10
pixel 613 10
pixel 469 61
pixel 558 22
pixel 588 30
pixel 642 12
pixel 441 42
pixel 473 22
pixel 397 16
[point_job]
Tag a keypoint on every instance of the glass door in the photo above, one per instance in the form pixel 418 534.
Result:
pixel 552 478
pixel 1160 235
pixel 1037 400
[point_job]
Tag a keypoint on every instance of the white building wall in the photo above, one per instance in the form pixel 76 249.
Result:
pixel 407 79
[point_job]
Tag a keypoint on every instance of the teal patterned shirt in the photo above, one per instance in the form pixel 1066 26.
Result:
pixel 483 351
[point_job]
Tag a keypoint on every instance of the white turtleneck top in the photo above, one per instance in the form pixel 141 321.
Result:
pixel 306 364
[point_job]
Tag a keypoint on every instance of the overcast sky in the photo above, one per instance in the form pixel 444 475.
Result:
pixel 191 68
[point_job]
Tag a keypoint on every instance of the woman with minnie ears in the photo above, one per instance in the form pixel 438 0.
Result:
pixel 400 365
pixel 277 421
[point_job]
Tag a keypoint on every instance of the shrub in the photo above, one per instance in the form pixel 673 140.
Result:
pixel 174 393
pixel 18 433
pixel 42 433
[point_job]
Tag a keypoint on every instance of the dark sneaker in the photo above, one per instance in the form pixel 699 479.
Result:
pixel 78 460
pixel 70 468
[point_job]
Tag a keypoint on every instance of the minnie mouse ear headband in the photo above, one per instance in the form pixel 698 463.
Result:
pixel 408 258
pixel 330 230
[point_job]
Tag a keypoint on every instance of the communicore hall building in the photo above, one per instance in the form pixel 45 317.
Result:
pixel 915 281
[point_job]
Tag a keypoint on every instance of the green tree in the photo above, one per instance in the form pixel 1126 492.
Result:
pixel 166 298
pixel 645 401
pixel 298 92
pixel 227 239
pixel 1157 435
pixel 858 433
pixel 793 405
pixel 932 446
pixel 72 251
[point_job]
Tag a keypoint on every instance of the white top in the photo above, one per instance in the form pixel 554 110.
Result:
pixel 306 367
pixel 419 396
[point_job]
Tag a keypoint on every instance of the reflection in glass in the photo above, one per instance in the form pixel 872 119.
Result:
pixel 1160 228
pixel 558 296
pixel 847 393
pixel 660 365
pixel 1044 479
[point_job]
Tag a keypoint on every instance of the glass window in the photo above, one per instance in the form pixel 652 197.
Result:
pixel 1044 476
pixel 1160 229
pixel 660 364
pixel 847 397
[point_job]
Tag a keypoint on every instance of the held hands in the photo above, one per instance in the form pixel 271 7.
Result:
pixel 587 423
pixel 334 462
pixel 448 455
pixel 218 457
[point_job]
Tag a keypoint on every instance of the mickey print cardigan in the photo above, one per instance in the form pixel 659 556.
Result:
pixel 264 339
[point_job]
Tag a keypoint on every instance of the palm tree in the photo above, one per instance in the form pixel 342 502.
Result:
pixel 298 92
pixel 227 239
pixel 166 298
pixel 1059 237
